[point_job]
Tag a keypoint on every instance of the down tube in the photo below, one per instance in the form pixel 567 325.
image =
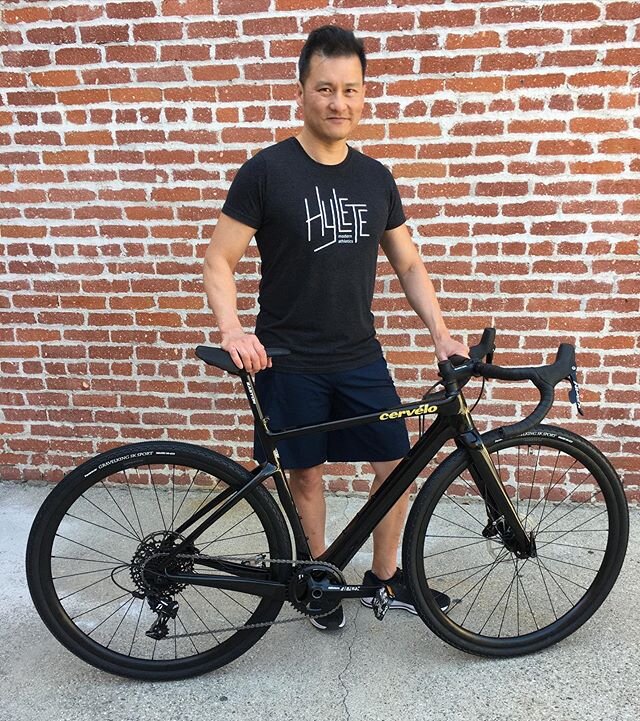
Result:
pixel 353 537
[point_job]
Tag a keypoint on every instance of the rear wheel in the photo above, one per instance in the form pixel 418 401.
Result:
pixel 95 561
pixel 567 495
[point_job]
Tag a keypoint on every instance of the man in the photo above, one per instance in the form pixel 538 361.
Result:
pixel 319 209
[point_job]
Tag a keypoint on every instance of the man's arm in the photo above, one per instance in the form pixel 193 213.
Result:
pixel 228 244
pixel 407 263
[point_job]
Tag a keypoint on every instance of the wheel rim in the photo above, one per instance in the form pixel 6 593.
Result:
pixel 497 597
pixel 97 564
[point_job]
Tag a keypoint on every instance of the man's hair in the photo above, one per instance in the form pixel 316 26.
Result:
pixel 331 41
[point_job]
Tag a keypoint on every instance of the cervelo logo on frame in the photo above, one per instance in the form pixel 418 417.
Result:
pixel 407 412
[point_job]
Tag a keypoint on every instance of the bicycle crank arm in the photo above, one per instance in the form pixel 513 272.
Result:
pixel 266 589
pixel 340 592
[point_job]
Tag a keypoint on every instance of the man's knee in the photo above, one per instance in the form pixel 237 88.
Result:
pixel 306 479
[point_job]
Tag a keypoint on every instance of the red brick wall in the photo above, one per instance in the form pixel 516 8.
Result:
pixel 511 128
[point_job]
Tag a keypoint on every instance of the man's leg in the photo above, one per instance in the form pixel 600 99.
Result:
pixel 307 489
pixel 386 535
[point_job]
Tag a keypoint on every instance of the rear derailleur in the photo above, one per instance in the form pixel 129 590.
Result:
pixel 166 608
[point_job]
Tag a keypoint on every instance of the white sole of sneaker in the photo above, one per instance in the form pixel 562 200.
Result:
pixel 325 628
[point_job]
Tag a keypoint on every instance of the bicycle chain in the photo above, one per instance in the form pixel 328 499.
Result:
pixel 249 626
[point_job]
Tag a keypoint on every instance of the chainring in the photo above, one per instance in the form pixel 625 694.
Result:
pixel 305 588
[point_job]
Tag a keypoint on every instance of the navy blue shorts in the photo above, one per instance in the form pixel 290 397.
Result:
pixel 300 399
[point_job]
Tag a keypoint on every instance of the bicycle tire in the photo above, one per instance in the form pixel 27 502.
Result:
pixel 484 579
pixel 95 521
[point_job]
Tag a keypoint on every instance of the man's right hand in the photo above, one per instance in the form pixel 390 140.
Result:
pixel 245 350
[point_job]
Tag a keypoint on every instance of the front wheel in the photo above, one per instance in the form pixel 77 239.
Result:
pixel 567 496
pixel 95 561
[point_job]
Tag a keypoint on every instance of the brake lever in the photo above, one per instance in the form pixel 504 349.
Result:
pixel 574 393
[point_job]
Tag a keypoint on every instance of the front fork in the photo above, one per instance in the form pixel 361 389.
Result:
pixel 502 517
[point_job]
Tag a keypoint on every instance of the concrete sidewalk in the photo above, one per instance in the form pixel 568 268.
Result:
pixel 370 671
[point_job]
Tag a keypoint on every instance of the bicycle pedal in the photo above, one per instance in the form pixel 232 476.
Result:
pixel 380 605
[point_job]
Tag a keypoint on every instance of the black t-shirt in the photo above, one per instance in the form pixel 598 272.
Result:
pixel 318 228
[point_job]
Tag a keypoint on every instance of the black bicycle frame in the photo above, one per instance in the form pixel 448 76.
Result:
pixel 452 422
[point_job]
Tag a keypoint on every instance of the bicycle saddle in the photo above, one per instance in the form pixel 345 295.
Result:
pixel 221 359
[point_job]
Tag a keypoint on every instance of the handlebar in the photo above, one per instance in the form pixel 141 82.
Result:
pixel 457 371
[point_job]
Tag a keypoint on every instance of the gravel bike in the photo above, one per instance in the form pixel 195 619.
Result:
pixel 163 560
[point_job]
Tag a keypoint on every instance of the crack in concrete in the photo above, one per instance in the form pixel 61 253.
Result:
pixel 348 664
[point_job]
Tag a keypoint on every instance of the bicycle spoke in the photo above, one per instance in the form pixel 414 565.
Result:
pixel 95 550
pixel 105 528
pixel 101 510
pixel 84 588
pixel 569 563
pixel 82 573
pixel 155 490
pixel 117 505
pixel 133 503
pixel 113 635
pixel 456 548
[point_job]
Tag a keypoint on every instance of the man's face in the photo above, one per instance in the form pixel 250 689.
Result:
pixel 332 97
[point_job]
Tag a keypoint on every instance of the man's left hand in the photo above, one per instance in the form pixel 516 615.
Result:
pixel 448 347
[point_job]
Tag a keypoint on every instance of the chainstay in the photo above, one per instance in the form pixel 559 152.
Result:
pixel 250 626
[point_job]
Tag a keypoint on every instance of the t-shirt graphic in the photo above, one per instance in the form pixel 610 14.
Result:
pixel 336 220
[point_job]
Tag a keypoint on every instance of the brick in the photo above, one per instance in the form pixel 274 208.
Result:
pixel 549 80
pixel 77 56
pixel 438 65
pixel 424 129
pixel 239 7
pixel 508 61
pixel 124 11
pixel 414 87
pixel 610 78
pixel 622 56
pixel 511 14
pixel 603 167
pixel 475 85
pixel 135 95
pixel 158 31
pixel 534 127
pixel 74 13
pixel 483 39
pixel 597 125
pixel 66 157
pixel 304 4
pixel 55 78
pixel 52 36
pixel 564 147
pixel 534 37
pixel 502 189
pixel 387 22
pixel 447 18
pixel 131 54
pixel 569 58
pixel 571 12
pixel 480 127
pixel 37 138
pixel 599 35
pixel 623 10
pixel 558 228
pixel 26 58
pixel 104 34
pixel 415 41
pixel 93 137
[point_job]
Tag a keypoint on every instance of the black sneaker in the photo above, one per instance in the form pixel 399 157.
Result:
pixel 332 622
pixel 399 596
